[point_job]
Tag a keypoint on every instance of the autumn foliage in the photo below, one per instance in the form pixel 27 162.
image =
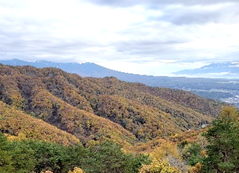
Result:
pixel 72 117
pixel 95 109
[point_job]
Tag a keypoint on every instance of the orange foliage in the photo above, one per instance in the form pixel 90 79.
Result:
pixel 22 126
pixel 97 109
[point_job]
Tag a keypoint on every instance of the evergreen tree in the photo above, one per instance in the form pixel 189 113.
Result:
pixel 5 156
pixel 191 153
pixel 49 156
pixel 223 148
pixel 23 159
pixel 108 157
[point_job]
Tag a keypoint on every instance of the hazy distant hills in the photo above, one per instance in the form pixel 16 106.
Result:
pixel 84 69
pixel 94 70
pixel 223 70
pixel 215 88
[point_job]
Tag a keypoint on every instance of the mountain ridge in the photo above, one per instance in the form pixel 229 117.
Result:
pixel 215 88
pixel 224 70
pixel 95 109
pixel 90 69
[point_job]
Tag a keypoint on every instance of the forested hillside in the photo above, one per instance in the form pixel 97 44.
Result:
pixel 92 108
pixel 22 126
pixel 221 89
pixel 56 110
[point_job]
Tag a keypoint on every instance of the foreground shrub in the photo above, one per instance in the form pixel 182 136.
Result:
pixel 159 167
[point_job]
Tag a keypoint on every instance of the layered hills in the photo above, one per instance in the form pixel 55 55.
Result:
pixel 215 88
pixel 50 101
pixel 223 70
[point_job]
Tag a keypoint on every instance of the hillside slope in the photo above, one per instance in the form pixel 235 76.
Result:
pixel 96 109
pixel 21 125
pixel 225 90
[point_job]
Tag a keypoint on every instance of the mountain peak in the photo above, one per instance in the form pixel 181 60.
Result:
pixel 221 70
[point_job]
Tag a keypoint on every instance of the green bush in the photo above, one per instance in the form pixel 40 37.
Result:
pixel 27 156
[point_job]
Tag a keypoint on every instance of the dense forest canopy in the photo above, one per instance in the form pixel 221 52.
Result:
pixel 63 122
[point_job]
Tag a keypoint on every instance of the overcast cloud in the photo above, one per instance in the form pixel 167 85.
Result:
pixel 155 37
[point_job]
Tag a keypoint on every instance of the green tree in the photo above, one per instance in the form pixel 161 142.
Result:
pixel 23 159
pixel 108 157
pixel 49 156
pixel 5 156
pixel 77 156
pixel 36 156
pixel 223 148
pixel 191 153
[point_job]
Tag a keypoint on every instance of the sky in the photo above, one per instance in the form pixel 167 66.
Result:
pixel 153 37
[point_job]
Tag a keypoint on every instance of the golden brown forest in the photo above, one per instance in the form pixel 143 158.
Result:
pixel 67 123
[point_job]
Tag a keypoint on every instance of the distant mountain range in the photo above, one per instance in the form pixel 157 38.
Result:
pixel 215 88
pixel 228 70
pixel 94 70
pixel 223 70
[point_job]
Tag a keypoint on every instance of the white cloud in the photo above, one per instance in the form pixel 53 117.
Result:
pixel 135 36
